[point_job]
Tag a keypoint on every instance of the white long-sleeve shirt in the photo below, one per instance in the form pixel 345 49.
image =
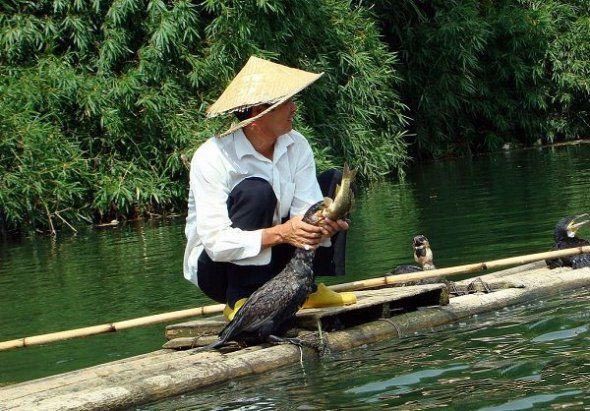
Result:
pixel 216 168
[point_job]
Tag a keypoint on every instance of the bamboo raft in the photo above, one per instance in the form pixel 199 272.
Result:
pixel 167 372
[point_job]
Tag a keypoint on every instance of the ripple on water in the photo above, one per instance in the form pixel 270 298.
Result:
pixel 404 380
pixel 531 402
pixel 562 334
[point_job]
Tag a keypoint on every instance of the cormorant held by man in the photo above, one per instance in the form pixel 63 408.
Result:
pixel 268 311
pixel 276 301
pixel 565 236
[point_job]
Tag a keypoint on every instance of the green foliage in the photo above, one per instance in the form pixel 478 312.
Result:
pixel 568 62
pixel 43 174
pixel 479 74
pixel 99 100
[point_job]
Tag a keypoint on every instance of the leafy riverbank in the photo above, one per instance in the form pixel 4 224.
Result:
pixel 100 100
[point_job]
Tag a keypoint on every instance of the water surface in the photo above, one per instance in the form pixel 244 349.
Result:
pixel 533 356
pixel 471 210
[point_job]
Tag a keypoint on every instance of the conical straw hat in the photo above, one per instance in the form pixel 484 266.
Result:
pixel 260 82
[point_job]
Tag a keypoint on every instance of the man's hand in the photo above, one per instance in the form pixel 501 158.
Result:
pixel 300 234
pixel 331 227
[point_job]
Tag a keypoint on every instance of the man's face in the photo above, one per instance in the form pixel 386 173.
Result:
pixel 280 120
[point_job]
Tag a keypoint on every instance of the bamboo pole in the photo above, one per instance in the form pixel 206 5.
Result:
pixel 110 327
pixel 459 269
pixel 218 308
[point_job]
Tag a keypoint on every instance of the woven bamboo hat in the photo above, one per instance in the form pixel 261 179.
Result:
pixel 260 82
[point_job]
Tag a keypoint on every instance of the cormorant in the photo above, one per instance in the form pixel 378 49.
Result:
pixel 422 255
pixel 565 237
pixel 268 310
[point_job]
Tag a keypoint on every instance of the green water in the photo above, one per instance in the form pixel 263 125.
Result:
pixel 471 210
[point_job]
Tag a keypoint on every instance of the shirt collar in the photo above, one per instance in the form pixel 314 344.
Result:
pixel 244 147
pixel 242 144
pixel 281 145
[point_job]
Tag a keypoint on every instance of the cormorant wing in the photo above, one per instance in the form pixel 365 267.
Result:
pixel 275 308
pixel 262 306
pixel 265 308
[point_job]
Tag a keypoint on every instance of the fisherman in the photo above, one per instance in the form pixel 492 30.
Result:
pixel 249 189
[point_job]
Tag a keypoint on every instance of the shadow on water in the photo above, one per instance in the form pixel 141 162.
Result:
pixel 471 210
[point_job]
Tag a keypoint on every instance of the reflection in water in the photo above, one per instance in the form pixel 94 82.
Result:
pixel 404 380
pixel 532 402
pixel 471 210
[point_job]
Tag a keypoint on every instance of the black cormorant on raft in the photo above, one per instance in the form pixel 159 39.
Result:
pixel 422 255
pixel 268 311
pixel 565 236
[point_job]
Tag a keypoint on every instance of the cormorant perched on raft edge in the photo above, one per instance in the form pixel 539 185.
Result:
pixel 422 255
pixel 565 237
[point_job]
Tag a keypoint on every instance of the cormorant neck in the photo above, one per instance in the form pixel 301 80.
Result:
pixel 302 263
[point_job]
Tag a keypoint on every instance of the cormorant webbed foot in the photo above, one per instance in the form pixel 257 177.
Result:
pixel 478 285
pixel 288 340
pixel 318 347
pixel 454 289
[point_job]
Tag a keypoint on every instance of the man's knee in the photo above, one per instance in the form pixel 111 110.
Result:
pixel 251 204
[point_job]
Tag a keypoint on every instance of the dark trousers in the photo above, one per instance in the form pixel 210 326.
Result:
pixel 251 205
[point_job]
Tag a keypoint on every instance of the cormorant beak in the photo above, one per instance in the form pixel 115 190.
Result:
pixel 420 241
pixel 422 246
pixel 574 225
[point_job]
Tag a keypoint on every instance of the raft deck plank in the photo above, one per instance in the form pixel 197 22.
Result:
pixel 196 328
pixel 371 305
